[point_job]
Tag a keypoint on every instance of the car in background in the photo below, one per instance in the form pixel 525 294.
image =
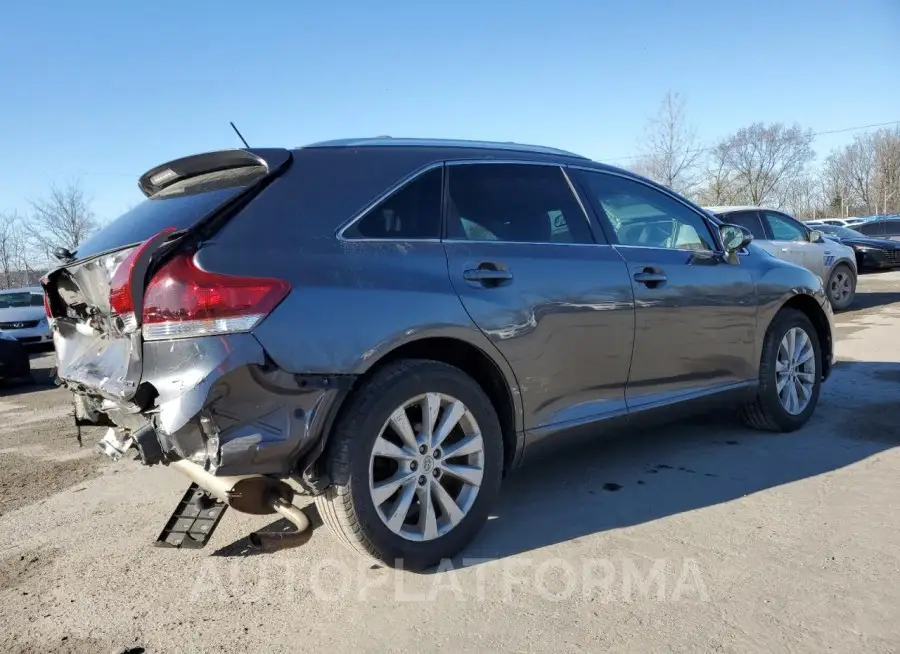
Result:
pixel 458 308
pixel 14 362
pixel 881 227
pixel 791 240
pixel 839 222
pixel 872 254
pixel 23 316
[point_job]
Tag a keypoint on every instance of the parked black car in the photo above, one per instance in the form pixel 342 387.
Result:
pixel 872 254
pixel 887 227
pixel 14 362
pixel 395 324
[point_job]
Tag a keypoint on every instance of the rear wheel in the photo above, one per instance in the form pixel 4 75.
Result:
pixel 415 464
pixel 841 287
pixel 790 375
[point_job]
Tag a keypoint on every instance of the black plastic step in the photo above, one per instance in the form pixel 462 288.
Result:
pixel 193 522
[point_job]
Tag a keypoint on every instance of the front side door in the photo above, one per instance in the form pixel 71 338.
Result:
pixel 695 314
pixel 789 236
pixel 557 304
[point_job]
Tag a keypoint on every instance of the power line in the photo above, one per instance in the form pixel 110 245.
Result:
pixel 815 134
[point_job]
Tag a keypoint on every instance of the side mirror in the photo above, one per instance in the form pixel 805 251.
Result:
pixel 734 237
pixel 815 236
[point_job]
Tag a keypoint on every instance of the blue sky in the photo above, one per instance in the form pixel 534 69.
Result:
pixel 101 91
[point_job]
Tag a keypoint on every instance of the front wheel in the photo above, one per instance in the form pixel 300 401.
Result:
pixel 790 375
pixel 841 287
pixel 415 464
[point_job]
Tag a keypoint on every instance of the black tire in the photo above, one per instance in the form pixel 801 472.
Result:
pixel 347 506
pixel 841 303
pixel 766 412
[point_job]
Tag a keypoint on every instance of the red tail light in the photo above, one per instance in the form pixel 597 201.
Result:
pixel 47 309
pixel 183 301
pixel 121 298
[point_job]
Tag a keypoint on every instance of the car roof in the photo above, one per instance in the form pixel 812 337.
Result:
pixel 28 289
pixel 732 208
pixel 387 141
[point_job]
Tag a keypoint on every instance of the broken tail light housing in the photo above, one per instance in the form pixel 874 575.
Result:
pixel 122 283
pixel 183 301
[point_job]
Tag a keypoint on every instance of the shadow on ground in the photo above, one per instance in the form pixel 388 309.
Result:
pixel 645 476
pixel 285 534
pixel 873 299
pixel 41 380
pixel 675 469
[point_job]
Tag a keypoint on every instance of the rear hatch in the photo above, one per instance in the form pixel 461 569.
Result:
pixel 96 300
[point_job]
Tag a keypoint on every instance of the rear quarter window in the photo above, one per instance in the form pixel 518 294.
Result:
pixel 181 205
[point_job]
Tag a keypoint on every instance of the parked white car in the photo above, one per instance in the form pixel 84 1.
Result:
pixel 837 222
pixel 791 240
pixel 23 317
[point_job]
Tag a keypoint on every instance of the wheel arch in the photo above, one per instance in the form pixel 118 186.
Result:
pixel 494 377
pixel 850 261
pixel 810 307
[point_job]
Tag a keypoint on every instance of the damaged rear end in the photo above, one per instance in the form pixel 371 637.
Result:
pixel 162 351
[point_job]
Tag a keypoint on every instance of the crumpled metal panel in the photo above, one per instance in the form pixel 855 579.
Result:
pixel 184 370
pixel 95 351
pixel 109 366
pixel 220 406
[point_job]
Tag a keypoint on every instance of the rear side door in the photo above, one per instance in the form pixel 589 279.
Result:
pixel 695 314
pixel 875 229
pixel 749 220
pixel 557 304
pixel 892 229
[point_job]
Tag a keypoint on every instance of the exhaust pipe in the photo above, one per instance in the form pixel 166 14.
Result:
pixel 276 540
pixel 255 494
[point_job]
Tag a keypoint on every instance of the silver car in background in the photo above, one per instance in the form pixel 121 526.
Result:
pixel 23 316
pixel 787 238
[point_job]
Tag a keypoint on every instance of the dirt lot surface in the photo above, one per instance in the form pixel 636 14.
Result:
pixel 702 536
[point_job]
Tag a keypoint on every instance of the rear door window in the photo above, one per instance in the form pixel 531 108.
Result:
pixel 514 203
pixel 892 227
pixel 181 205
pixel 748 220
pixel 875 228
pixel 413 212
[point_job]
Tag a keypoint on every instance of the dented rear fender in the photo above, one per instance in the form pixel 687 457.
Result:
pixel 219 401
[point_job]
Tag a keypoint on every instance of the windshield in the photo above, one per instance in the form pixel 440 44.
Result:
pixel 180 205
pixel 18 300
pixel 840 232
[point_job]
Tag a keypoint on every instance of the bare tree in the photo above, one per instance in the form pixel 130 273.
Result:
pixel 671 150
pixel 16 253
pixel 8 224
pixel 804 198
pixel 762 160
pixel 719 187
pixel 853 169
pixel 886 182
pixel 62 219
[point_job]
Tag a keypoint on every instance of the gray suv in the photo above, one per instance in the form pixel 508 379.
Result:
pixel 393 325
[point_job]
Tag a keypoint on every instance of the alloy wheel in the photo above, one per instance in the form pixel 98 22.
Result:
pixel 840 286
pixel 426 467
pixel 795 370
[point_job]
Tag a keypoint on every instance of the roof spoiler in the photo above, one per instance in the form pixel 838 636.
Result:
pixel 156 179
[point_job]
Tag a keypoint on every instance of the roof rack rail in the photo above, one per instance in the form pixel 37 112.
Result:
pixel 437 143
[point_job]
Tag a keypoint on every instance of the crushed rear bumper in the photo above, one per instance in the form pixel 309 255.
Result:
pixel 218 402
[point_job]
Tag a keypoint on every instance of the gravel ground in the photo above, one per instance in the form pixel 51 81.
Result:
pixel 700 536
